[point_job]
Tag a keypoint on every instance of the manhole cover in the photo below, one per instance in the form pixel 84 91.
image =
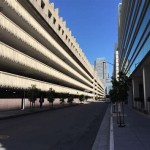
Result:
pixel 2 137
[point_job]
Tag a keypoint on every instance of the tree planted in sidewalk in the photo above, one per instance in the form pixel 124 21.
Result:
pixel 41 100
pixel 70 99
pixel 81 98
pixel 119 94
pixel 51 96
pixel 32 94
pixel 62 98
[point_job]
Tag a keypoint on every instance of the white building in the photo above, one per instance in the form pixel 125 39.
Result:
pixel 36 48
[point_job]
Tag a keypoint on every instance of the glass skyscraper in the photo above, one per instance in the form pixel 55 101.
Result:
pixel 134 49
pixel 101 67
pixel 134 33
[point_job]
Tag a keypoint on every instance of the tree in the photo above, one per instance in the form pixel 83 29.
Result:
pixel 86 98
pixel 51 96
pixel 119 94
pixel 70 99
pixel 81 98
pixel 32 94
pixel 41 100
pixel 62 98
pixel 96 98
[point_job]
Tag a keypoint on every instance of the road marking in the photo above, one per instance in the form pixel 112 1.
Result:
pixel 111 144
pixel 102 139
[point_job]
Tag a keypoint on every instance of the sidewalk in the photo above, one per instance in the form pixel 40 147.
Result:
pixel 28 111
pixel 135 135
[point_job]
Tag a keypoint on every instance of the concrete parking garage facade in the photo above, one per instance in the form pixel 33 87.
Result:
pixel 36 48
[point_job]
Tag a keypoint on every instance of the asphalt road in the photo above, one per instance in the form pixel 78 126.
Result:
pixel 73 128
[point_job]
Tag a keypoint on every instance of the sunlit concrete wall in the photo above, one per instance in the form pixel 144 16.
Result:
pixel 37 48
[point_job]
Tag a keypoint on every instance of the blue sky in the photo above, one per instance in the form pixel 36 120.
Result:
pixel 94 25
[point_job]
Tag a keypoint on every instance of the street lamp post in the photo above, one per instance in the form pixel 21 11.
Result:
pixel 104 62
pixel 103 68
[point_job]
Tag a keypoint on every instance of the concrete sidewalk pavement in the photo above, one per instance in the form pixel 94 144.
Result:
pixel 135 135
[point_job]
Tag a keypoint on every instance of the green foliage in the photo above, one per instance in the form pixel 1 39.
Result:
pixel 113 95
pixel 32 93
pixel 81 98
pixel 120 88
pixel 62 97
pixel 51 95
pixel 70 99
pixel 62 100
pixel 96 98
pixel 86 98
pixel 41 100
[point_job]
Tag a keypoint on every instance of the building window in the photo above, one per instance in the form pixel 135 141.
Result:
pixel 59 27
pixel 54 20
pixel 68 40
pixel 49 14
pixel 42 4
pixel 62 32
pixel 66 37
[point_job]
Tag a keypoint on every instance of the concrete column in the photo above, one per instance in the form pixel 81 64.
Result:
pixel 135 86
pixel 23 101
pixel 146 86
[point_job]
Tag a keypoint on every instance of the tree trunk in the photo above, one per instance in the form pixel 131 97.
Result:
pixel 123 113
pixel 117 114
pixel 52 104
pixel 30 104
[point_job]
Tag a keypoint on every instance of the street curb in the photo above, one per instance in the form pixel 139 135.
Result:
pixel 32 112
pixel 111 145
pixel 102 139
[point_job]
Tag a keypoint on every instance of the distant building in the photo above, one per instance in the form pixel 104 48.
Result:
pixel 116 61
pixel 101 67
pixel 37 48
pixel 108 86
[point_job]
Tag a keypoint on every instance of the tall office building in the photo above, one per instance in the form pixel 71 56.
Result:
pixel 134 47
pixel 116 61
pixel 101 67
pixel 37 48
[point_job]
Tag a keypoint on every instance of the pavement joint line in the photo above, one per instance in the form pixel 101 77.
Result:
pixel 111 144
